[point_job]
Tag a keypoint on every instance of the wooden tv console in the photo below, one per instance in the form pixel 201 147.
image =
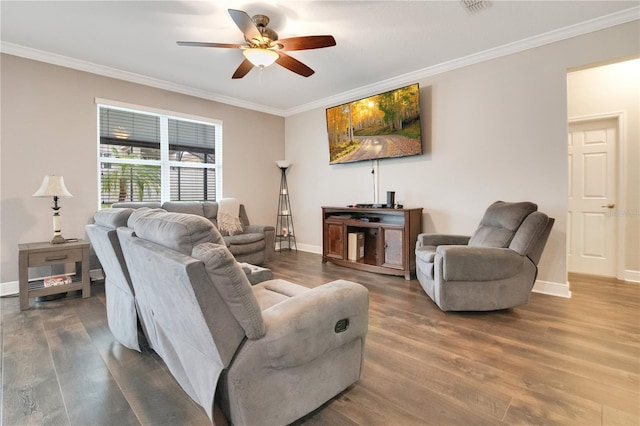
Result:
pixel 389 238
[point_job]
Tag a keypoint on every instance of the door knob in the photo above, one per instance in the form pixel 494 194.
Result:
pixel 609 206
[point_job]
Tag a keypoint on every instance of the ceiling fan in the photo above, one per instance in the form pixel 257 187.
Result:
pixel 262 46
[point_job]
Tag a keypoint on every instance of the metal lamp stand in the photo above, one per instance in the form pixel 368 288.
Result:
pixel 284 221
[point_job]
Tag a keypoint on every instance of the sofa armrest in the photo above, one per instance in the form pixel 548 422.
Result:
pixel 464 263
pixel 269 238
pixel 441 240
pixel 258 229
pixel 310 324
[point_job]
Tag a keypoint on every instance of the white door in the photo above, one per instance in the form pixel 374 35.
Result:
pixel 591 226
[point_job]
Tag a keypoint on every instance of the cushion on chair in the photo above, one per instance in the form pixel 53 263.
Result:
pixel 242 239
pixel 464 263
pixel 426 253
pixel 500 222
pixel 245 243
pixel 112 218
pixel 529 233
pixel 232 284
pixel 195 207
pixel 137 204
pixel 142 211
pixel 177 231
pixel 210 210
pixel 272 292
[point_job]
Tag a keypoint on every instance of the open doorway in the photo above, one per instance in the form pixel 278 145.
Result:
pixel 603 230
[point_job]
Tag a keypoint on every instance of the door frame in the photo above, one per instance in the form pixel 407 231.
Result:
pixel 621 182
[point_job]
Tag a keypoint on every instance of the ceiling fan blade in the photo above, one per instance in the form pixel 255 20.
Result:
pixel 205 44
pixel 293 64
pixel 246 24
pixel 243 69
pixel 308 42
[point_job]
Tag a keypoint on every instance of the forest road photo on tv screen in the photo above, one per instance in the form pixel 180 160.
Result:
pixel 386 125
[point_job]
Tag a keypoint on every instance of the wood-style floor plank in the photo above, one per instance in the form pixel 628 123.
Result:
pixel 31 392
pixel 90 392
pixel 552 361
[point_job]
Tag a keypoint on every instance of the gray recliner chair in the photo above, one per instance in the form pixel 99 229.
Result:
pixel 270 353
pixel 493 269
pixel 122 311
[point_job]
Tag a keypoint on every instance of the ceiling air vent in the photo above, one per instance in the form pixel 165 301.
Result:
pixel 475 6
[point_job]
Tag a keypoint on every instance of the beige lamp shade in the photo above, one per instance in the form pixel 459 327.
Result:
pixel 52 186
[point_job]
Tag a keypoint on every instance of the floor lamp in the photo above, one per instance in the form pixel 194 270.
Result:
pixel 284 221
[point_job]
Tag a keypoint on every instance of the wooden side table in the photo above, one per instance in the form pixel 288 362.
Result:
pixel 43 254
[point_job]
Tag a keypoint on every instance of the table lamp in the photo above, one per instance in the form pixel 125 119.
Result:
pixel 53 186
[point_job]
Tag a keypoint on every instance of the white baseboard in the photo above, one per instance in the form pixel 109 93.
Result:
pixel 310 248
pixel 552 289
pixel 632 276
pixel 9 288
pixel 303 247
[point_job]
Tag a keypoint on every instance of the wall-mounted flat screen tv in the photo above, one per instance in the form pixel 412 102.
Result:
pixel 386 125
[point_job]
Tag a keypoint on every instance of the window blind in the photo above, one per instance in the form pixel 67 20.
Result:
pixel 134 168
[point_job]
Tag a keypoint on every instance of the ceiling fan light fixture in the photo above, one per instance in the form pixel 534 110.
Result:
pixel 260 57
pixel 262 46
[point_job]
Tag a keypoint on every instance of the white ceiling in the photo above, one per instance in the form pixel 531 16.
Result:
pixel 380 44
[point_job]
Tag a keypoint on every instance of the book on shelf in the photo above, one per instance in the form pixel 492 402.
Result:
pixel 356 246
pixel 57 280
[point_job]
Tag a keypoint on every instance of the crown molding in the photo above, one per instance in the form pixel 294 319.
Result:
pixel 618 18
pixel 586 27
pixel 67 62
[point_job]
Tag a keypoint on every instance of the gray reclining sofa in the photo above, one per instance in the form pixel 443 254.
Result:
pixel 255 244
pixel 269 353
pixel 122 309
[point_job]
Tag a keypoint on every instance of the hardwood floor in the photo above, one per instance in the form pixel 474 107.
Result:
pixel 553 361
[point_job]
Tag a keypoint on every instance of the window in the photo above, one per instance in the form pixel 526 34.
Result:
pixel 149 156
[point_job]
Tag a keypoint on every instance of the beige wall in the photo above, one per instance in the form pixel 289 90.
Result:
pixel 496 130
pixel 611 90
pixel 49 124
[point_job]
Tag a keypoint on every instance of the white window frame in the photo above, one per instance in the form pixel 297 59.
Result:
pixel 164 163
